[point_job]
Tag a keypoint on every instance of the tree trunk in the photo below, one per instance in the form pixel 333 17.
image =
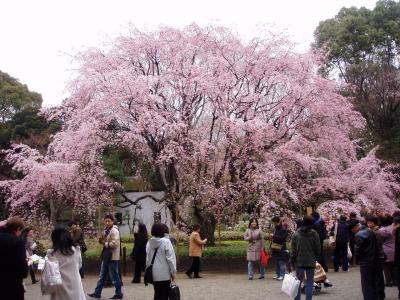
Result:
pixel 207 230
pixel 207 224
pixel 52 213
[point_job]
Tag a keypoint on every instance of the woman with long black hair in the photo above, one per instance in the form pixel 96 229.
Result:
pixel 139 252
pixel 70 261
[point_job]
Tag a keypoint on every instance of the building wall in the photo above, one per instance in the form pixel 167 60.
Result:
pixel 143 211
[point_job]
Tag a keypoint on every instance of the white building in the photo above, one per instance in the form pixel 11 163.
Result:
pixel 143 207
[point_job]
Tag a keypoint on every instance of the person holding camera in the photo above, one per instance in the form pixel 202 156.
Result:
pixel 110 257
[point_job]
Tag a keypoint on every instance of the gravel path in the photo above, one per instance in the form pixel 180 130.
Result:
pixel 220 286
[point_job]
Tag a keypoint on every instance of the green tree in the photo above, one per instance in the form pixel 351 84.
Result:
pixel 30 128
pixel 15 97
pixel 362 50
pixel 122 164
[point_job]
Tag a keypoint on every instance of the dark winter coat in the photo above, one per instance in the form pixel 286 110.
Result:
pixel 342 234
pixel 320 227
pixel 397 247
pixel 280 236
pixel 306 247
pixel 13 266
pixel 366 248
pixel 139 249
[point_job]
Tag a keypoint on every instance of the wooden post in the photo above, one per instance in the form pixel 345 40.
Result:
pixel 124 261
pixel 219 230
pixel 177 232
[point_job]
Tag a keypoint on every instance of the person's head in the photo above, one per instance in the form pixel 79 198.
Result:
pixel 142 229
pixel 109 221
pixel 315 215
pixel 15 226
pixel 196 227
pixel 253 223
pixel 386 220
pixel 353 215
pixel 166 229
pixel 72 224
pixel 158 230
pixel 371 221
pixel 276 220
pixel 27 232
pixel 354 226
pixel 342 218
pixel 308 221
pixel 62 240
pixel 299 223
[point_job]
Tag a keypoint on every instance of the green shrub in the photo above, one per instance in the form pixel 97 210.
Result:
pixel 229 236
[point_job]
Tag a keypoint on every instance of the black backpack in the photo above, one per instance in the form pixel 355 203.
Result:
pixel 148 272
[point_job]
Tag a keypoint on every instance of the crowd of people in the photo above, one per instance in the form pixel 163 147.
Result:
pixel 372 242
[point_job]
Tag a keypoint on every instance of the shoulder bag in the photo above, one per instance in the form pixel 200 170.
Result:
pixel 148 272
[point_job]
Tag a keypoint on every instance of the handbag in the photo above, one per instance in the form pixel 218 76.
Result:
pixel 319 273
pixel 148 272
pixel 290 285
pixel 276 247
pixel 106 254
pixel 174 293
pixel 264 258
pixel 51 276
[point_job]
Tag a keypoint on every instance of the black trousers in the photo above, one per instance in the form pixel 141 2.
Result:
pixel 195 267
pixel 139 267
pixel 380 282
pixel 321 259
pixel 398 279
pixel 389 271
pixel 161 289
pixel 340 257
pixel 370 283
pixel 32 273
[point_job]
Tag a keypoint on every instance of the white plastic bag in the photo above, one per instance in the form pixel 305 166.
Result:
pixel 51 276
pixel 349 254
pixel 290 285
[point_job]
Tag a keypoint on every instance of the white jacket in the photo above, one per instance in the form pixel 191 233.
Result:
pixel 71 288
pixel 165 260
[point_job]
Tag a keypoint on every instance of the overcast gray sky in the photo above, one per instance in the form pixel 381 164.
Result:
pixel 39 37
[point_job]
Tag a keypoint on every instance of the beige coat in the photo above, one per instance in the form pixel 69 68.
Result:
pixel 195 244
pixel 256 243
pixel 112 240
pixel 71 288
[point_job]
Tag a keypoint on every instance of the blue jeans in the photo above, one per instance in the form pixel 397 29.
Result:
pixel 309 281
pixel 111 268
pixel 280 267
pixel 250 269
